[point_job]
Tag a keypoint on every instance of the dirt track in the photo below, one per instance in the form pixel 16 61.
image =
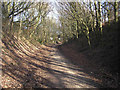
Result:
pixel 65 74
pixel 42 67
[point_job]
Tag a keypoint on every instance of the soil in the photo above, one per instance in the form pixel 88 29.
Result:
pixel 25 65
pixel 41 67
pixel 94 63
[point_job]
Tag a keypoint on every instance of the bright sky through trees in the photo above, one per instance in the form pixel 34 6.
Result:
pixel 53 14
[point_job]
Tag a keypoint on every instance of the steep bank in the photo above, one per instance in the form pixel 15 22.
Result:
pixel 103 61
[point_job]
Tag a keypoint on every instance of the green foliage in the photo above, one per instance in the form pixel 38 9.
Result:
pixel 40 41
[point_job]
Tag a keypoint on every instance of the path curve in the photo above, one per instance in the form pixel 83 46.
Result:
pixel 43 67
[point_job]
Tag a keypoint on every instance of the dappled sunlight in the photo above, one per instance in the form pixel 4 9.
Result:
pixel 60 44
pixel 45 68
pixel 57 57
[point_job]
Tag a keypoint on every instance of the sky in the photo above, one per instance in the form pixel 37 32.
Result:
pixel 53 14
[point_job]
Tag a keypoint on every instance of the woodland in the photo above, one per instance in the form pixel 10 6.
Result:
pixel 60 44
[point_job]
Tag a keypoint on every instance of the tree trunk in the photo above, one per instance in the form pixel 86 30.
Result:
pixel 11 23
pixel 116 11
pixel 108 13
pixel 100 17
pixel 96 12
pixel 63 32
pixel 93 18
pixel 77 30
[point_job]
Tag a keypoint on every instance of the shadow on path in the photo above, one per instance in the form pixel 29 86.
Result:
pixel 43 67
